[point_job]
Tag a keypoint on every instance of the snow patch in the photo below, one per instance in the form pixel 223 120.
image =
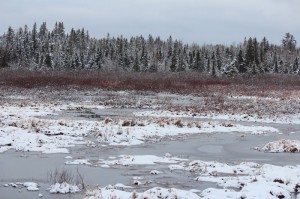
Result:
pixel 289 146
pixel 127 160
pixel 64 188
pixel 31 186
pixel 154 193
pixel 155 172
pixel 78 162
pixel 285 119
pixel 252 179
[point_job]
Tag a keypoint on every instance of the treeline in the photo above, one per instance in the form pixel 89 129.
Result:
pixel 41 48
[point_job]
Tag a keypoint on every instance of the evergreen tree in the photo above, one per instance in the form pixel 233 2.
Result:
pixel 250 57
pixel 34 43
pixel 173 62
pixel 43 31
pixel 241 62
pixel 48 61
pixel 276 66
pixel 3 58
pixel 256 56
pixel 136 66
pixel 219 58
pixel 99 60
pixel 289 42
pixel 144 60
pixel 213 70
pixel 198 63
pixel 296 66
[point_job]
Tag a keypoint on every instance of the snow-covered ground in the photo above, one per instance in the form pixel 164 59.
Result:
pixel 22 129
pixel 63 188
pixel 289 146
pixel 127 160
pixel 154 193
pixel 253 180
pixel 30 186
pixel 244 180
pixel 284 119
pixel 29 127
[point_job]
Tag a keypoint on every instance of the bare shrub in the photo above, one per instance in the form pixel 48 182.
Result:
pixel 108 120
pixel 65 175
pixel 297 187
pixel 198 126
pixel 60 176
pixel 126 123
pixel 227 124
pixel 278 180
pixel 129 122
pixel 134 195
pixel 141 124
pixel 80 179
pixel 179 123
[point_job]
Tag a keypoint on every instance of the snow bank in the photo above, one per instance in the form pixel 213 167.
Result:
pixel 22 140
pixel 155 172
pixel 5 141
pixel 214 168
pixel 78 162
pixel 64 188
pixel 154 193
pixel 253 180
pixel 255 190
pixel 20 129
pixel 285 119
pixel 290 146
pixel 31 186
pixel 127 160
pixel 121 186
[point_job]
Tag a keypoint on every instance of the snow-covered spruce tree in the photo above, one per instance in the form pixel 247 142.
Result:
pixel 252 56
pixel 241 64
pixel 219 58
pixel 4 59
pixel 289 42
pixel 42 48
pixel 296 67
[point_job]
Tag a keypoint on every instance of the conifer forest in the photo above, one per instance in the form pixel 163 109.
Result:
pixel 43 48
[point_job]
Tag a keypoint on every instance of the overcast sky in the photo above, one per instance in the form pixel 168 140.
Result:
pixel 200 21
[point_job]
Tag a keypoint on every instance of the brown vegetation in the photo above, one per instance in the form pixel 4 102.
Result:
pixel 109 80
pixel 278 94
pixel 174 82
pixel 214 93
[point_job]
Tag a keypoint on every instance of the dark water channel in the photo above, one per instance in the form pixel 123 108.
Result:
pixel 223 147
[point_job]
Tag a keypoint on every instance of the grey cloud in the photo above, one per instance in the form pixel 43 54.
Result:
pixel 201 21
